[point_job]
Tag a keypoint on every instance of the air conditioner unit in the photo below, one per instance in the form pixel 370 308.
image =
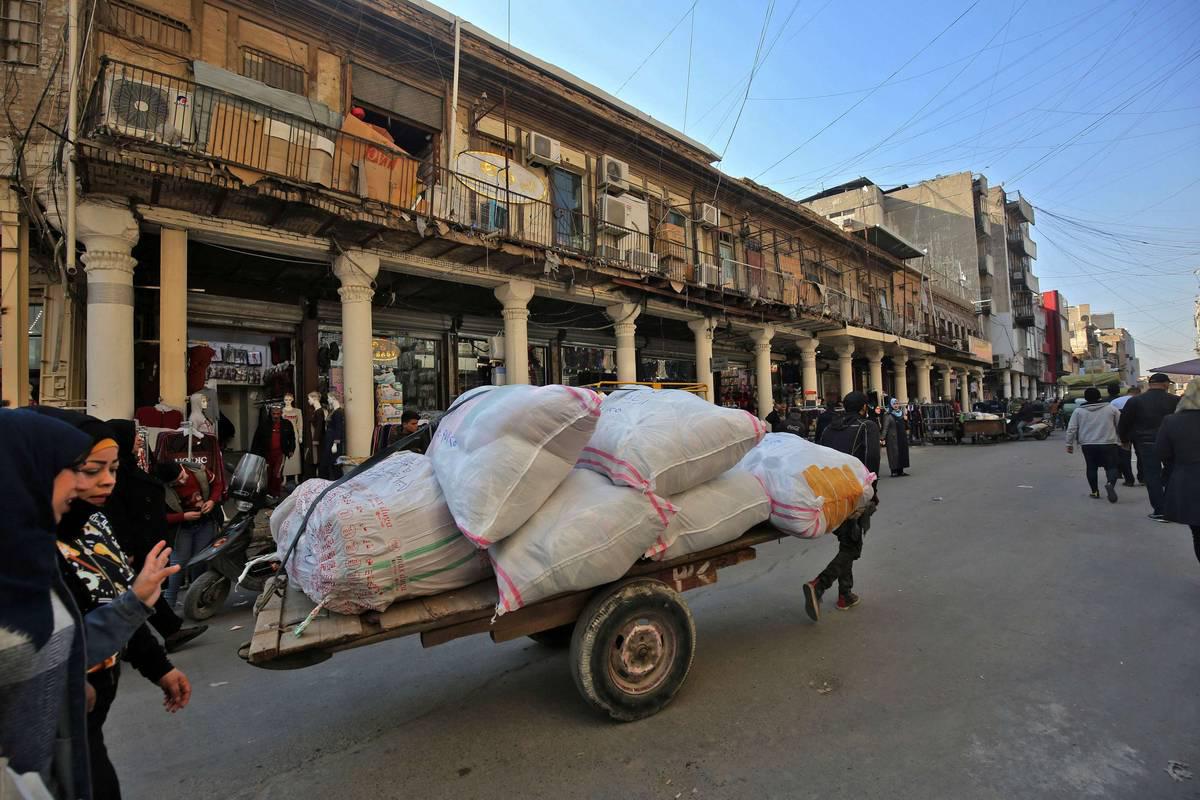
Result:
pixel 710 217
pixel 642 261
pixel 155 111
pixel 708 275
pixel 493 215
pixel 614 174
pixel 541 149
pixel 614 216
pixel 609 252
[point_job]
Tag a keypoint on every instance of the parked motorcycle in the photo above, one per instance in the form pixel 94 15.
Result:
pixel 1039 429
pixel 227 557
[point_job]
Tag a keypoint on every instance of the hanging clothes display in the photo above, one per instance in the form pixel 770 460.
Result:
pixel 205 451
pixel 293 466
pixel 274 440
pixel 199 357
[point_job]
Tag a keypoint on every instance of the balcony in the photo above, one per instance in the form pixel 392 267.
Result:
pixel 984 306
pixel 1019 241
pixel 986 264
pixel 1020 208
pixel 1023 308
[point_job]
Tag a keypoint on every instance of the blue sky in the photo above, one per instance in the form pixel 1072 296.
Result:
pixel 1090 109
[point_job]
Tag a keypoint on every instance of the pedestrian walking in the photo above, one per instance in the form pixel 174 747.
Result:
pixel 1094 427
pixel 895 436
pixel 1126 452
pixel 853 433
pixel 832 408
pixel 1178 445
pixel 776 418
pixel 1140 421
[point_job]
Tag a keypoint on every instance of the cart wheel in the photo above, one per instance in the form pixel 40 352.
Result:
pixel 557 638
pixel 632 649
pixel 206 596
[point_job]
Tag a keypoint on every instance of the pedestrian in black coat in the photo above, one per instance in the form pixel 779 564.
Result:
pixel 1178 445
pixel 1140 421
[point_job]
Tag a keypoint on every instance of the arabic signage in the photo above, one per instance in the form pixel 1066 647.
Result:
pixel 488 175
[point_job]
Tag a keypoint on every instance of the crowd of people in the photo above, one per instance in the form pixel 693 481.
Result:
pixel 81 592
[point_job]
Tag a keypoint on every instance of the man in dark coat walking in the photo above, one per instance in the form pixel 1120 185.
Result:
pixel 1140 421
pixel 852 433
pixel 1178 445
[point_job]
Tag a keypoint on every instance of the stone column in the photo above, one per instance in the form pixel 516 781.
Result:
pixel 624 316
pixel 924 391
pixel 515 296
pixel 762 369
pixel 900 375
pixel 1022 387
pixel 845 355
pixel 978 379
pixel 702 329
pixel 356 269
pixel 1010 384
pixel 14 299
pixel 808 371
pixel 947 389
pixel 964 390
pixel 875 363
pixel 109 232
pixel 172 317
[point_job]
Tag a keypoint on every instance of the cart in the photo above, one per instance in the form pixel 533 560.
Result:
pixel 940 421
pixel 631 641
pixel 987 430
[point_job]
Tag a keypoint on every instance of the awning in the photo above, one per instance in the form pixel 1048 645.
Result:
pixel 1182 368
pixel 888 241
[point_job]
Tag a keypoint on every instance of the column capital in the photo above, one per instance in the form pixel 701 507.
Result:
pixel 106 227
pixel 624 317
pixel 923 362
pixel 900 357
pixel 703 328
pixel 874 354
pixel 845 350
pixel 356 268
pixel 808 347
pixel 762 336
pixel 514 294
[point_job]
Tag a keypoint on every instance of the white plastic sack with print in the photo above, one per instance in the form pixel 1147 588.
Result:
pixel 813 489
pixel 501 450
pixel 712 514
pixel 667 440
pixel 588 533
pixel 381 536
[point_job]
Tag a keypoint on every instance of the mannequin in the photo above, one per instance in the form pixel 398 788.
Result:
pixel 293 466
pixel 335 433
pixel 198 419
pixel 316 432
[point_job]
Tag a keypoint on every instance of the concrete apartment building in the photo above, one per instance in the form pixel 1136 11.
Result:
pixel 381 202
pixel 1102 346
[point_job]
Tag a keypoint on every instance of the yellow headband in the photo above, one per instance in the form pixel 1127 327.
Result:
pixel 103 444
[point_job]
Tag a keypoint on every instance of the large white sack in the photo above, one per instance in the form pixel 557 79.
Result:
pixel 500 453
pixel 381 536
pixel 713 513
pixel 667 440
pixel 588 533
pixel 813 489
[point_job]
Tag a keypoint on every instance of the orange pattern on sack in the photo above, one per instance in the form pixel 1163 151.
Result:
pixel 839 487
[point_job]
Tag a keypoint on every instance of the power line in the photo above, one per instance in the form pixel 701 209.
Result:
pixel 661 42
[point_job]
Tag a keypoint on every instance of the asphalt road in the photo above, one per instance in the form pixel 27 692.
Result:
pixel 1016 639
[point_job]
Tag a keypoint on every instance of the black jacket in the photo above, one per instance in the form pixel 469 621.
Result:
pixel 775 420
pixel 137 511
pixel 855 435
pixel 262 437
pixel 824 420
pixel 1142 415
pixel 1178 445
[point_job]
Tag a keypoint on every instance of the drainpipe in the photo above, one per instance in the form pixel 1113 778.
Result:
pixel 451 156
pixel 72 124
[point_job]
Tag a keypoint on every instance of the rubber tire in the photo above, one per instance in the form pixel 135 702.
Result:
pixel 198 606
pixel 600 622
pixel 555 638
pixel 1043 436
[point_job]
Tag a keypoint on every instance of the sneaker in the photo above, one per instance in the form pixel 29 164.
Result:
pixel 182 636
pixel 846 601
pixel 1111 490
pixel 1094 495
pixel 812 601
pixel 1158 517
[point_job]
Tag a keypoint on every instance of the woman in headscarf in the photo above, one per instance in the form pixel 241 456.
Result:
pixel 42 662
pixel 894 435
pixel 1178 445
pixel 97 573
pixel 137 512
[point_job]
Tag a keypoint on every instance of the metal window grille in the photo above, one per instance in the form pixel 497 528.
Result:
pixel 149 26
pixel 20 31
pixel 274 71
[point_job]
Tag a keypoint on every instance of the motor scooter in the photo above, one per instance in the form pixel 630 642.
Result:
pixel 1039 429
pixel 226 558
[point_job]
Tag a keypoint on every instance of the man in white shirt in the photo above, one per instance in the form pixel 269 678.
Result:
pixel 1118 401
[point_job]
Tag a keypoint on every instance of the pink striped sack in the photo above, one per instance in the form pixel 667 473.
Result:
pixel 503 449
pixel 712 514
pixel 590 532
pixel 667 440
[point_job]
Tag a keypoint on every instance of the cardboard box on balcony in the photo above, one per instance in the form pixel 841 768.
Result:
pixel 674 234
pixel 371 165
pixel 791 265
pixel 259 144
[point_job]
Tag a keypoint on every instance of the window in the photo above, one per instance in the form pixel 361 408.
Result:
pixel 274 71
pixel 675 218
pixel 567 196
pixel 20 31
pixel 149 26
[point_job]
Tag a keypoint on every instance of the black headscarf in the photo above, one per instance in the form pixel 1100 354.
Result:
pixel 137 508
pixel 35 449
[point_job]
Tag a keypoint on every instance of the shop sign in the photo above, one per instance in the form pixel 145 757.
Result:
pixel 720 364
pixel 488 174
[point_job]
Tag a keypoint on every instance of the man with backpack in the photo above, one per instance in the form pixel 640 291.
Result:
pixel 853 433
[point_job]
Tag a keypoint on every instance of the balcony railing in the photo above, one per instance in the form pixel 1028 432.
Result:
pixel 1023 308
pixel 140 109
pixel 1021 208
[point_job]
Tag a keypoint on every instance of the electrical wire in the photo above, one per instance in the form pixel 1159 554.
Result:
pixel 661 42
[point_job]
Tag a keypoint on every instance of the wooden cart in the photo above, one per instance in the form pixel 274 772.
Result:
pixel 632 641
pixel 988 430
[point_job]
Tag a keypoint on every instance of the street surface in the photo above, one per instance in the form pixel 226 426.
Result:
pixel 1016 639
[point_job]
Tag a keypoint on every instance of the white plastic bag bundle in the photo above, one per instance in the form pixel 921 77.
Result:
pixel 588 533
pixel 500 453
pixel 667 440
pixel 381 536
pixel 713 513
pixel 813 489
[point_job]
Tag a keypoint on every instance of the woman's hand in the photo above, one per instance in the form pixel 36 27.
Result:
pixel 156 569
pixel 207 506
pixel 177 690
pixel 192 516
